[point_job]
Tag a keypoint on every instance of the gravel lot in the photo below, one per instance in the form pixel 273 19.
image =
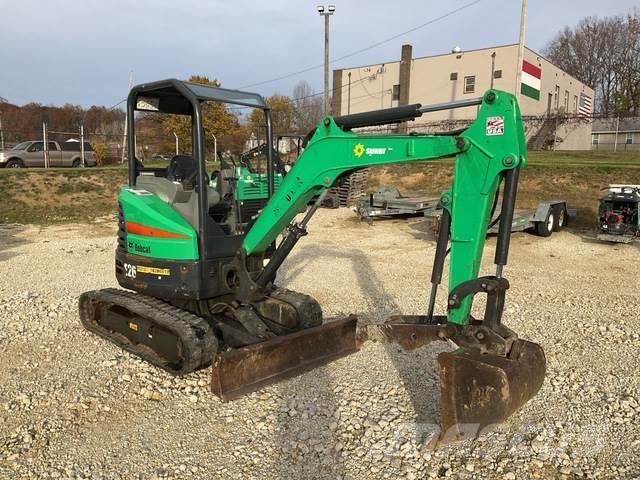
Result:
pixel 74 406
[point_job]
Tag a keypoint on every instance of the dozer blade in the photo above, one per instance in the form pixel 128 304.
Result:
pixel 246 369
pixel 479 391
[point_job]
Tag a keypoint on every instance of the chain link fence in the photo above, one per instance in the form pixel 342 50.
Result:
pixel 548 132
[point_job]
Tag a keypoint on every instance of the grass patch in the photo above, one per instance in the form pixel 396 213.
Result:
pixel 59 195
pixel 41 196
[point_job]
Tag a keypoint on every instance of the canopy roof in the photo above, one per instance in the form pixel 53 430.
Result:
pixel 176 96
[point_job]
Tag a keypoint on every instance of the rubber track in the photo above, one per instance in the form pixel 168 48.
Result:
pixel 197 338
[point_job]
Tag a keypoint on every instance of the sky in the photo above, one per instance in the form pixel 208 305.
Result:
pixel 82 51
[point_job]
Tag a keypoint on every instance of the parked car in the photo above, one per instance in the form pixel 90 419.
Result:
pixel 31 154
pixel 161 158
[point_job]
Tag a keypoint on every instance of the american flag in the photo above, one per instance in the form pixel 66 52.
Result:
pixel 495 122
pixel 584 108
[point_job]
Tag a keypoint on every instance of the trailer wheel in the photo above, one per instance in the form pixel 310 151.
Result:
pixel 560 216
pixel 545 228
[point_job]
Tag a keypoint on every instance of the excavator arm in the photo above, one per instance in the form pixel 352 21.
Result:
pixel 492 146
pixel 492 373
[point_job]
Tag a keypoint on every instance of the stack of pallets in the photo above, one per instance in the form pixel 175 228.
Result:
pixel 352 188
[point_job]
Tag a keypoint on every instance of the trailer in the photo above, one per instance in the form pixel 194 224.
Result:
pixel 387 201
pixel 548 217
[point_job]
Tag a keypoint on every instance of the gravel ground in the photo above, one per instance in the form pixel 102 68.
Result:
pixel 74 406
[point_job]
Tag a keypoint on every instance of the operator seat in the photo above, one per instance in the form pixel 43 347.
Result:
pixel 179 187
pixel 183 169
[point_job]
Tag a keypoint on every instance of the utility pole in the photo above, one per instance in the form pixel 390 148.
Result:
pixel 177 143
pixel 349 96
pixel 1 136
pixel 523 22
pixel 493 67
pixel 326 14
pixel 82 144
pixel 124 136
pixel 45 145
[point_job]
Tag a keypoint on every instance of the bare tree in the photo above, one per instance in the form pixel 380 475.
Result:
pixel 603 53
pixel 308 107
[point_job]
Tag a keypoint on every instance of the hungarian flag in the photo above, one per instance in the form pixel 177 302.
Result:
pixel 531 75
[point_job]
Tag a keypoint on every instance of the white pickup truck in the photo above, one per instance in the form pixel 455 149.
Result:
pixel 31 154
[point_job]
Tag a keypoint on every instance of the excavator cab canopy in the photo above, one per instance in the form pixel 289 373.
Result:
pixel 179 97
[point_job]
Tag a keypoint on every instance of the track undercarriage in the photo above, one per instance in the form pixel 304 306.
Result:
pixel 182 336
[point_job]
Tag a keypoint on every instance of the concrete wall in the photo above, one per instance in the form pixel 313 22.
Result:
pixel 441 78
pixel 574 136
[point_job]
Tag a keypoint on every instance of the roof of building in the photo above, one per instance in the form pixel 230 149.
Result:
pixel 466 51
pixel 610 125
pixel 430 56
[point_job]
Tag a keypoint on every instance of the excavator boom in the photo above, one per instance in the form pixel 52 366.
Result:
pixel 492 373
pixel 491 146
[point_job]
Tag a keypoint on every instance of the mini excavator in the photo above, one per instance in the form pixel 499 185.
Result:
pixel 199 283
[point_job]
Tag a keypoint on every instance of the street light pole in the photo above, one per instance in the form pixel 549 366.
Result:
pixel 326 14
pixel 523 23
pixel 177 144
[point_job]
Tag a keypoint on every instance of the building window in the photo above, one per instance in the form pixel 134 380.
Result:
pixel 396 92
pixel 629 139
pixel 566 101
pixel 497 74
pixel 575 103
pixel 595 138
pixel 556 98
pixel 453 76
pixel 470 84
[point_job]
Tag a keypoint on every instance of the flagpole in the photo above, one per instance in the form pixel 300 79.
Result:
pixel 523 21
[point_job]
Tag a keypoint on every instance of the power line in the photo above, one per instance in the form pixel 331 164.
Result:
pixel 377 44
pixel 117 104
